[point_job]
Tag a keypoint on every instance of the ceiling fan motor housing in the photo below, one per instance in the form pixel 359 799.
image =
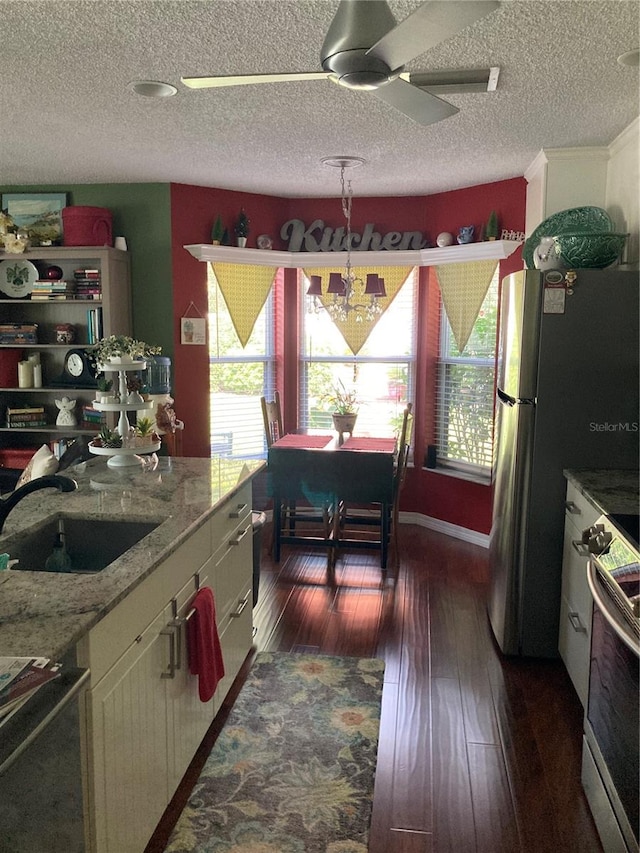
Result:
pixel 357 25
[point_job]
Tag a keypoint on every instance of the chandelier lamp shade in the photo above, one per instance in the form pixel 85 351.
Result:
pixel 350 294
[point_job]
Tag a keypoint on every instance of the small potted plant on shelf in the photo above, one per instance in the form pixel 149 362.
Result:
pixel 108 438
pixel 104 389
pixel 345 408
pixel 144 431
pixel 491 228
pixel 241 229
pixel 122 349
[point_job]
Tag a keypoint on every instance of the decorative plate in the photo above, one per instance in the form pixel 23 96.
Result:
pixel 575 219
pixel 17 278
pixel 264 242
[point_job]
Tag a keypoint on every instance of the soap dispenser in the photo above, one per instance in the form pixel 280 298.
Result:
pixel 58 560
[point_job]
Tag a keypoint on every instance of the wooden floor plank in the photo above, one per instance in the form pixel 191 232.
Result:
pixel 494 817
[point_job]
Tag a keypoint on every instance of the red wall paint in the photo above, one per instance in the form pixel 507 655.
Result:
pixel 193 211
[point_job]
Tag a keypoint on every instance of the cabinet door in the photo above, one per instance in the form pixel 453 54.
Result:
pixel 574 638
pixel 129 750
pixel 233 578
pixel 188 717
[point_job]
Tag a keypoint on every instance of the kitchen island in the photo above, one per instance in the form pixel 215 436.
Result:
pixel 139 719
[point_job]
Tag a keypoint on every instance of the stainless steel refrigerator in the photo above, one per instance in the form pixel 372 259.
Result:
pixel 567 382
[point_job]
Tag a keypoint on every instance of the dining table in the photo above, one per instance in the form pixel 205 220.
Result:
pixel 329 473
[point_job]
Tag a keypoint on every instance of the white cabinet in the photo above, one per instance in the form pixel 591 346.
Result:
pixel 574 639
pixel 143 719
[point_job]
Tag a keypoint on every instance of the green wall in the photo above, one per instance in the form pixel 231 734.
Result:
pixel 142 214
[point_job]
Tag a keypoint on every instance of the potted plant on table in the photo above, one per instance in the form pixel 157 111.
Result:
pixel 345 408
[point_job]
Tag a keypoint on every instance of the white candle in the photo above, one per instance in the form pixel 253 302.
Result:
pixel 34 357
pixel 25 374
pixel 37 375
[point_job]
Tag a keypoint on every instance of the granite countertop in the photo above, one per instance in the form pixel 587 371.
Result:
pixel 608 491
pixel 45 614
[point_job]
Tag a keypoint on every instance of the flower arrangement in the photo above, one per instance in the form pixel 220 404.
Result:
pixel 122 346
pixel 344 402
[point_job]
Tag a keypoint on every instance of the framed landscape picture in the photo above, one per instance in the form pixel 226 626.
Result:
pixel 39 213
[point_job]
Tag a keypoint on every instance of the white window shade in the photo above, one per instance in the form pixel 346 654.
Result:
pixel 465 390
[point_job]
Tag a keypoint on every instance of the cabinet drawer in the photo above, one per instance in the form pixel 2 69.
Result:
pixel 574 646
pixel 579 509
pixel 233 569
pixel 574 576
pixel 236 631
pixel 232 514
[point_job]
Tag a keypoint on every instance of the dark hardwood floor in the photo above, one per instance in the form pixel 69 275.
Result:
pixel 477 752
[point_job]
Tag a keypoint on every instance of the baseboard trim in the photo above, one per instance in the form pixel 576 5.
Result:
pixel 439 526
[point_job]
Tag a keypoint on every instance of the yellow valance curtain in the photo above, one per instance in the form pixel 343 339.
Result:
pixel 356 333
pixel 463 288
pixel 245 288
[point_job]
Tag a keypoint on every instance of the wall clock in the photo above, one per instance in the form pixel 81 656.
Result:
pixel 78 369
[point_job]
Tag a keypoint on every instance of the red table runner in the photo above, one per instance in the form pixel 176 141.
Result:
pixel 304 441
pixel 383 445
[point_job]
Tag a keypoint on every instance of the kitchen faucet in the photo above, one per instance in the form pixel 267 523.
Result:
pixel 55 481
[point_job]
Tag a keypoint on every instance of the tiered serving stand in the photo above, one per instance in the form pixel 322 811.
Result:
pixel 125 456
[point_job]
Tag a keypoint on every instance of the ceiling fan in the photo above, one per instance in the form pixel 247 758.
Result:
pixel 366 49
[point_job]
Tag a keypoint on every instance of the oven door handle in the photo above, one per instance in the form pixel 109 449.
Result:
pixel 625 635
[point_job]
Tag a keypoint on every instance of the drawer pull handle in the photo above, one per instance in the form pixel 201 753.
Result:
pixel 572 507
pixel 238 511
pixel 581 548
pixel 240 536
pixel 576 624
pixel 171 668
pixel 241 607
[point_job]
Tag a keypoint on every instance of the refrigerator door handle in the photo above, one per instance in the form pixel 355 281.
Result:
pixel 508 400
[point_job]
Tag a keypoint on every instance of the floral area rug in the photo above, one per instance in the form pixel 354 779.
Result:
pixel 293 768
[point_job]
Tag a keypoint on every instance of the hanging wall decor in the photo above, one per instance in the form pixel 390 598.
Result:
pixel 193 327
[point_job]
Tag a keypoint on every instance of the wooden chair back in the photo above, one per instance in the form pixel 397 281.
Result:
pixel 404 443
pixel 272 416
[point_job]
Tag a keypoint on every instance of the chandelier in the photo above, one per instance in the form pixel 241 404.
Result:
pixel 351 296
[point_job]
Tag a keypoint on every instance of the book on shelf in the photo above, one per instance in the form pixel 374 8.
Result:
pixel 86 273
pixel 25 410
pixel 26 424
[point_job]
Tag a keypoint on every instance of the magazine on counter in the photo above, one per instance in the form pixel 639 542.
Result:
pixel 19 680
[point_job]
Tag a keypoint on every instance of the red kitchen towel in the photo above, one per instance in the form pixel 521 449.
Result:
pixel 203 644
pixel 305 441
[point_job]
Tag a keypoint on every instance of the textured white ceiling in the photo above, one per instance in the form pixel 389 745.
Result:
pixel 67 115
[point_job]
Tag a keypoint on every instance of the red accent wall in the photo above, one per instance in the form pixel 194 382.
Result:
pixel 193 211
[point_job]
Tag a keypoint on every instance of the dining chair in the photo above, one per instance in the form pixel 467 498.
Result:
pixel 291 511
pixel 370 515
pixel 404 448
pixel 272 417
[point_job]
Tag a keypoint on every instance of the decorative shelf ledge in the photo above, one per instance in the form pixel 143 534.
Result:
pixel 498 249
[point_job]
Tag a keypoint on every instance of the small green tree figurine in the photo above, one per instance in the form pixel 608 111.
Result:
pixel 491 229
pixel 217 231
pixel 241 228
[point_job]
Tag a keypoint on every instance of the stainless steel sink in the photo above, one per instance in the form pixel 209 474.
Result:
pixel 91 544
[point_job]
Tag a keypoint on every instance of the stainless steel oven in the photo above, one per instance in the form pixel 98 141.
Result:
pixel 610 765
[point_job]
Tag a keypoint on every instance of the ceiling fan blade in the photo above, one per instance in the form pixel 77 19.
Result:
pixel 418 105
pixel 249 79
pixel 430 24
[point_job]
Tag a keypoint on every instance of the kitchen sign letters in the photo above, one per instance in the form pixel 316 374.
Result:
pixel 318 238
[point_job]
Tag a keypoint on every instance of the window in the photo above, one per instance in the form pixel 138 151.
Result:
pixel 238 377
pixel 382 373
pixel 466 391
